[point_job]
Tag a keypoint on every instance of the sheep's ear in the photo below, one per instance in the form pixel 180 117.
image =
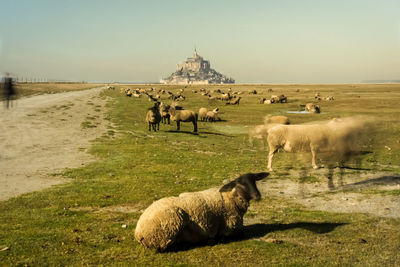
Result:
pixel 228 187
pixel 261 175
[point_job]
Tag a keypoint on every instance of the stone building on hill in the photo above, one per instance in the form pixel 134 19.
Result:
pixel 196 70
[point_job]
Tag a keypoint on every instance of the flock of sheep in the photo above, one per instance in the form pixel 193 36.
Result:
pixel 198 216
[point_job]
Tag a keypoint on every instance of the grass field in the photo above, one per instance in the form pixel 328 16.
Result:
pixel 91 220
pixel 27 89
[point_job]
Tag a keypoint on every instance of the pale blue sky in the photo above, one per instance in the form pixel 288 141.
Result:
pixel 281 41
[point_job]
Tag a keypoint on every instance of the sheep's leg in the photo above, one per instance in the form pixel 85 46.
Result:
pixel 154 127
pixel 158 126
pixel 271 154
pixel 178 125
pixel 149 127
pixel 313 151
pixel 195 126
pixel 168 120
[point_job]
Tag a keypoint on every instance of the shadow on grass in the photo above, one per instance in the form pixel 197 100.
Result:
pixel 198 133
pixel 259 230
pixel 183 132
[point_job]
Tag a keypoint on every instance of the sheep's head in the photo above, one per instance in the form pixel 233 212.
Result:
pixel 245 185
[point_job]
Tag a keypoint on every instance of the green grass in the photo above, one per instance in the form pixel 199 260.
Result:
pixel 72 224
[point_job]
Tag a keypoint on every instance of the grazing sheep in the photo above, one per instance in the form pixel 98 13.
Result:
pixel 313 108
pixel 269 119
pixel 198 216
pixel 329 98
pixel 226 97
pixel 261 100
pixel 184 116
pixel 253 92
pixel 203 113
pixel 234 102
pixel 212 115
pixel 153 117
pixel 338 135
pixel 165 117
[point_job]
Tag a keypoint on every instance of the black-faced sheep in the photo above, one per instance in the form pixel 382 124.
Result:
pixel 198 216
pixel 339 136
pixel 212 115
pixel 184 116
pixel 153 117
pixel 165 117
pixel 234 102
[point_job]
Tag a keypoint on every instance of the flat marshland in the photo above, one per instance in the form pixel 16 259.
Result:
pixel 336 215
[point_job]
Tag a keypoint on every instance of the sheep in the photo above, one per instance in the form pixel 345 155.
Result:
pixel 195 217
pixel 313 108
pixel 226 97
pixel 183 115
pixel 203 113
pixel 234 102
pixel 261 131
pixel 253 92
pixel 212 115
pixel 269 119
pixel 338 136
pixel 329 98
pixel 165 117
pixel 153 117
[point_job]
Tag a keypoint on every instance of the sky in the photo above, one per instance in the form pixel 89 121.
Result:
pixel 266 41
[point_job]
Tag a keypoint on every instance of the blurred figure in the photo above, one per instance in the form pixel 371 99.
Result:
pixel 8 90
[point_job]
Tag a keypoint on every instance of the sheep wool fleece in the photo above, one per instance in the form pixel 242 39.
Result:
pixel 208 214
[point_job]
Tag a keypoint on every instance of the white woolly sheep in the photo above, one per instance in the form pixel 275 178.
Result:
pixel 203 113
pixel 338 135
pixel 198 216
pixel 212 115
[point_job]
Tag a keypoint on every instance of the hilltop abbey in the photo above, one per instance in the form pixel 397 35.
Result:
pixel 196 70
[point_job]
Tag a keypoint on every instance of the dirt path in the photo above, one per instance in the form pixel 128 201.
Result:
pixel 363 192
pixel 44 134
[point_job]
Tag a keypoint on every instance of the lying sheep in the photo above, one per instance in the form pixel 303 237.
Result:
pixel 184 116
pixel 197 216
pixel 203 113
pixel 313 108
pixel 212 115
pixel 153 117
pixel 339 136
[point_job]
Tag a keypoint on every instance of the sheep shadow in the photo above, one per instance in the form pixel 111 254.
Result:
pixel 259 230
pixel 220 134
pixel 183 132
pixel 379 181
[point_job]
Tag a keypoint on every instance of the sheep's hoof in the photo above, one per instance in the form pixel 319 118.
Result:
pixel 270 169
pixel 315 167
